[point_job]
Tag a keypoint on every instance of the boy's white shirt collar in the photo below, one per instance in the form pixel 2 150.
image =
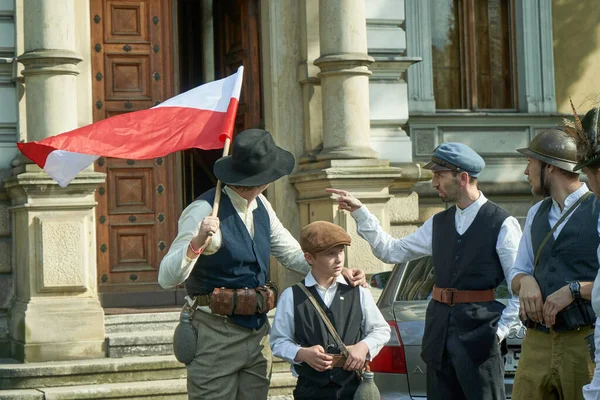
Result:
pixel 311 281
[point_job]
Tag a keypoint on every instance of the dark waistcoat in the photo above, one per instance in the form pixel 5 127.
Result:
pixel 240 262
pixel 345 314
pixel 572 256
pixel 465 262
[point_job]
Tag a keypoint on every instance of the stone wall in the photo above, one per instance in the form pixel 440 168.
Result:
pixel 8 150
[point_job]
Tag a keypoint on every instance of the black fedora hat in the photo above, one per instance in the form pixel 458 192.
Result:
pixel 255 160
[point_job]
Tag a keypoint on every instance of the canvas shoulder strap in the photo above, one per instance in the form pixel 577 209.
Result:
pixel 326 321
pixel 556 225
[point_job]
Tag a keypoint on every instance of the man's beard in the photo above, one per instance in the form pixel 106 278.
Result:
pixel 543 190
pixel 451 193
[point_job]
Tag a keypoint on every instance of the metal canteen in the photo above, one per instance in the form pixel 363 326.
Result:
pixel 185 339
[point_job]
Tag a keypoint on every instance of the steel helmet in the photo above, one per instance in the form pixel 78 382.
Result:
pixel 555 147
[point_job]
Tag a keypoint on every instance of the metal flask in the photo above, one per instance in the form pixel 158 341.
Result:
pixel 185 339
pixel 367 390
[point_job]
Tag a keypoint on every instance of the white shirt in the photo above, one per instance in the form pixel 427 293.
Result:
pixel 376 329
pixel 525 256
pixel 176 266
pixel 420 243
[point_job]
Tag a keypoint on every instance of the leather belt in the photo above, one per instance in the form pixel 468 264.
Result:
pixel 338 360
pixel 202 300
pixel 451 296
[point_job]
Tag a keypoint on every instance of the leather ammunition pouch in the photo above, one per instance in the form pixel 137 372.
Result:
pixel 576 315
pixel 244 301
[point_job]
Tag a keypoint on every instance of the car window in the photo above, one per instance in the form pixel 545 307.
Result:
pixel 417 281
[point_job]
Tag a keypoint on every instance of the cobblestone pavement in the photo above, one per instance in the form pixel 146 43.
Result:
pixel 287 397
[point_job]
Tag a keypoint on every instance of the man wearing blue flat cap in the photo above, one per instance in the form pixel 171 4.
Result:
pixel 473 245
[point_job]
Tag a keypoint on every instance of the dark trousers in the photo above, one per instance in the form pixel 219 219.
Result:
pixel 460 378
pixel 308 390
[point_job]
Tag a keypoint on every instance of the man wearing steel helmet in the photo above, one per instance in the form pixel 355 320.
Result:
pixel 473 245
pixel 554 272
pixel 586 136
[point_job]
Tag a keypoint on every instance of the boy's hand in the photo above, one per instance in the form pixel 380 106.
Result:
pixel 316 357
pixel 356 356
pixel 355 277
pixel 346 201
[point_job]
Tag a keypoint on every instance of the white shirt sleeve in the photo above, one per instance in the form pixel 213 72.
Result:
pixel 524 260
pixel 376 329
pixel 282 332
pixel 284 246
pixel 389 249
pixel 507 247
pixel 176 266
pixel 596 287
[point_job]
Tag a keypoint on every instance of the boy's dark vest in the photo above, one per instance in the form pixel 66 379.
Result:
pixel 240 262
pixel 572 256
pixel 345 314
pixel 465 262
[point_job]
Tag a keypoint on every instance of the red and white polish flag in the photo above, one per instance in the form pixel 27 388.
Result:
pixel 199 118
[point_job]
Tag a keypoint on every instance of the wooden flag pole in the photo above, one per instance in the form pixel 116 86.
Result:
pixel 215 209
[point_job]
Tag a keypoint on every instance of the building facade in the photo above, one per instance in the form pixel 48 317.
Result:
pixel 360 91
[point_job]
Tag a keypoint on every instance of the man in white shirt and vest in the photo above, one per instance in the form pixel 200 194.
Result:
pixel 224 262
pixel 585 133
pixel 474 245
pixel 554 271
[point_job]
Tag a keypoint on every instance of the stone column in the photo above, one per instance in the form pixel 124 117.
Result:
pixel 346 160
pixel 56 314
pixel 344 80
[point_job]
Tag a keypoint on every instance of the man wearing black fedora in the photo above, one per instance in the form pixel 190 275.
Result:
pixel 224 262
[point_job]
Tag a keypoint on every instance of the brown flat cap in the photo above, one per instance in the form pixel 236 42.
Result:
pixel 321 235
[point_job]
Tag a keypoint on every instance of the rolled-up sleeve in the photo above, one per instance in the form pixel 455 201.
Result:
pixel 284 246
pixel 176 266
pixel 389 249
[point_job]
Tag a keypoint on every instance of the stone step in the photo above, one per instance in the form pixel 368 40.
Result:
pixel 280 365
pixel 148 322
pixel 89 372
pixel 172 389
pixel 131 344
pixel 282 383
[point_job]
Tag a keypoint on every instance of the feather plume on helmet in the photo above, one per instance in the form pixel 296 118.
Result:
pixel 586 133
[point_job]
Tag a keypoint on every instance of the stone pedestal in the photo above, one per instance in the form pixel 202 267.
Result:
pixel 56 315
pixel 368 180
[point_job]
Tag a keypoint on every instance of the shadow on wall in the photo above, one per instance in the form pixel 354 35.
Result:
pixel 576 31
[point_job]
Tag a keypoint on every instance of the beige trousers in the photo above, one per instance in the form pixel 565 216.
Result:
pixel 231 362
pixel 553 366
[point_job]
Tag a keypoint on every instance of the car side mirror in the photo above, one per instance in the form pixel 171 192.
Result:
pixel 379 280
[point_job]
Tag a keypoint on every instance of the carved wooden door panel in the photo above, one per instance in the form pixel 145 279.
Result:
pixel 237 42
pixel 136 215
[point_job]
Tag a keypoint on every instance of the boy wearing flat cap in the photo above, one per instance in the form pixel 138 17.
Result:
pixel 224 262
pixel 299 335
pixel 473 245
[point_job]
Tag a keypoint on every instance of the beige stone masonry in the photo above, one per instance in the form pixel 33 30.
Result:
pixel 56 315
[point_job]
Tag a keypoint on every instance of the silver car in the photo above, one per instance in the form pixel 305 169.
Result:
pixel 400 373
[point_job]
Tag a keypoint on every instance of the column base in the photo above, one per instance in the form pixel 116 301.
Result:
pixel 57 329
pixel 369 180
pixel 346 153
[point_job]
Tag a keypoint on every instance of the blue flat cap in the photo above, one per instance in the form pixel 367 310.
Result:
pixel 456 157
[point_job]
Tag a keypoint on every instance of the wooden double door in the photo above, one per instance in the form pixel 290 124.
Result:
pixel 133 69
